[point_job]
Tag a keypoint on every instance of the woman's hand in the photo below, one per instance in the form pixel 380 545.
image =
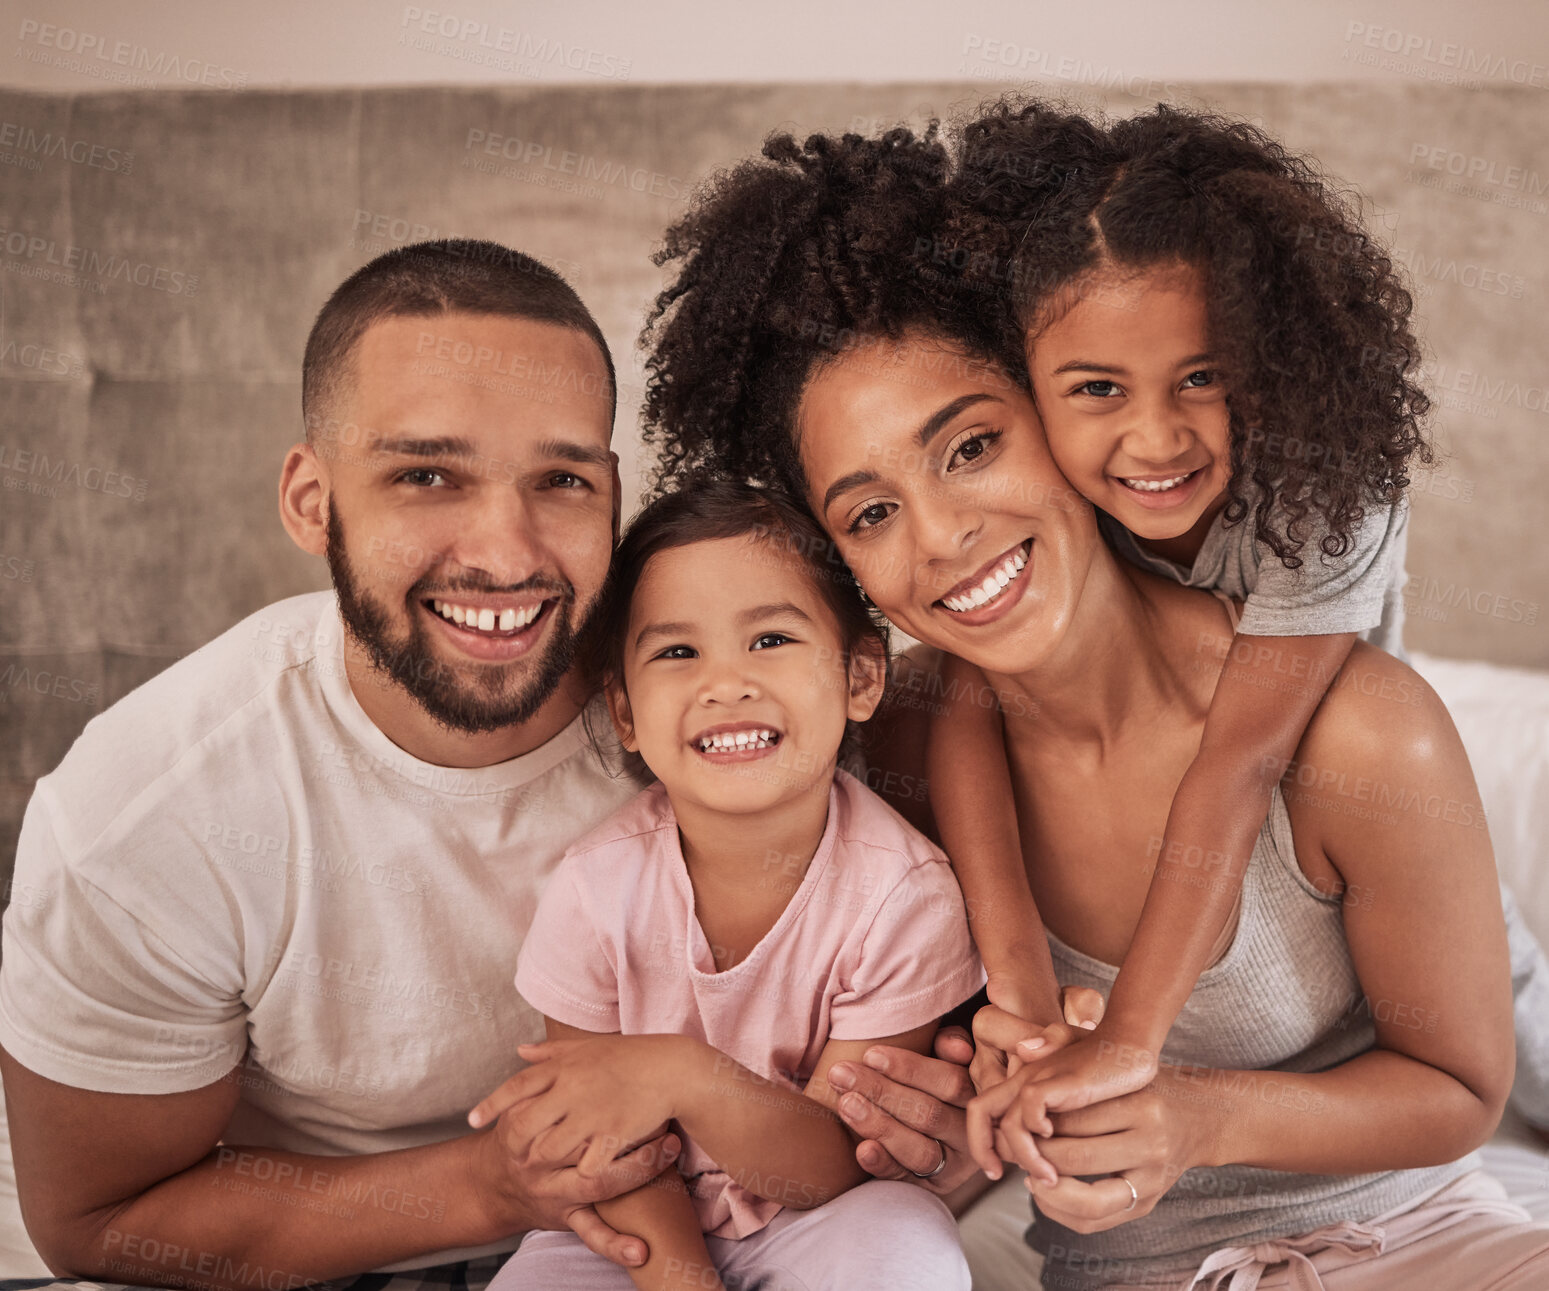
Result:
pixel 1149 1138
pixel 600 1096
pixel 1003 1043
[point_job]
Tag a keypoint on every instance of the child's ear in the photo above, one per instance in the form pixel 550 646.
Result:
pixel 618 710
pixel 868 678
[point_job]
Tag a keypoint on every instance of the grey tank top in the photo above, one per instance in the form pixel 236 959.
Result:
pixel 1284 997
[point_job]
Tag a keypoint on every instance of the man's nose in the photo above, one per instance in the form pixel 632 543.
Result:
pixel 497 533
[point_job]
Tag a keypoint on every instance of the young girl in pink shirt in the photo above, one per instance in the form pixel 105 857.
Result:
pixel 753 918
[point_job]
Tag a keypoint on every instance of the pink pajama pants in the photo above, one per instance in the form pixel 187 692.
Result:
pixel 879 1234
pixel 1466 1237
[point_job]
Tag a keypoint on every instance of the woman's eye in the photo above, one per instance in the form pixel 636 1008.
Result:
pixel 769 640
pixel 422 476
pixel 1098 389
pixel 974 447
pixel 1200 379
pixel 870 517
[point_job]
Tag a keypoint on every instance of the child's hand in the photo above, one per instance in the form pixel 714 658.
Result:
pixel 1079 1070
pixel 598 1097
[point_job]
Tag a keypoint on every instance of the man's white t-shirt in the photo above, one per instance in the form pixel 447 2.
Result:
pixel 233 867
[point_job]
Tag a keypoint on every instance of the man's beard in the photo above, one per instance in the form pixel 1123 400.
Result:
pixel 483 702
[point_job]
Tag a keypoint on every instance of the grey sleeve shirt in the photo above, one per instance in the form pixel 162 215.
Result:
pixel 1361 591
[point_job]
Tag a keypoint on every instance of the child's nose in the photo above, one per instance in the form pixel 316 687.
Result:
pixel 1158 436
pixel 727 684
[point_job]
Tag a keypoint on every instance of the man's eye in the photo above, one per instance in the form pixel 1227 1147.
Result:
pixel 870 517
pixel 566 480
pixel 422 476
pixel 1197 380
pixel 1098 389
pixel 769 640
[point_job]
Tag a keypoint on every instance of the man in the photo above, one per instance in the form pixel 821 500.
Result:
pixel 289 877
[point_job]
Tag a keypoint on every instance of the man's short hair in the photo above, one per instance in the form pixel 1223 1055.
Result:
pixel 453 275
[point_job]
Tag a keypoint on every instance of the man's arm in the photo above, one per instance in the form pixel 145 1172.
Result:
pixel 137 1188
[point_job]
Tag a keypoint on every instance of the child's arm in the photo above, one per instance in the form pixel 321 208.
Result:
pixel 660 1213
pixel 791 1148
pixel 1267 694
pixel 972 798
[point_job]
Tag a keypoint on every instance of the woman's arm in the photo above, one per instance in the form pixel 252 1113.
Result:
pixel 1386 815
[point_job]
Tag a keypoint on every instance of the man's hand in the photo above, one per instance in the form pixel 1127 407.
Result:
pixel 901 1101
pixel 904 1105
pixel 559 1134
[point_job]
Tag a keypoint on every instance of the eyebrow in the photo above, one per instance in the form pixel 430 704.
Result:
pixel 929 428
pixel 410 446
pixel 775 609
pixel 1085 365
pixel 566 450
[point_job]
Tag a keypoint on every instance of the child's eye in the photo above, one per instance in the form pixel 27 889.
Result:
pixel 768 640
pixel 1200 379
pixel 422 477
pixel 1098 389
pixel 677 652
pixel 973 448
pixel 870 517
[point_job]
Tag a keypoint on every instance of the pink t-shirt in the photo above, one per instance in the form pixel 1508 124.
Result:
pixel 874 942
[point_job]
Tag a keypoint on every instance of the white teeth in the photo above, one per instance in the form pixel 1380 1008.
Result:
pixel 994 582
pixel 1158 486
pixel 487 620
pixel 729 741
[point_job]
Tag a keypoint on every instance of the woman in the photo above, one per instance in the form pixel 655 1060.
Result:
pixel 817 335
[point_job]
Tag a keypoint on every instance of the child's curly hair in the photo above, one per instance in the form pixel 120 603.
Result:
pixel 785 262
pixel 1307 312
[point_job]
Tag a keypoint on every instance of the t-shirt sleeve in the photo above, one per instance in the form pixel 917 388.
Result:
pixel 1329 594
pixel 917 960
pixel 92 995
pixel 563 970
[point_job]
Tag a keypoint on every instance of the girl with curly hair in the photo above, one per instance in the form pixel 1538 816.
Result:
pixel 1223 363
pixel 823 332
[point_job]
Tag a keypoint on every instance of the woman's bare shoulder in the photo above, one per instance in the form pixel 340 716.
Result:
pixel 1379 757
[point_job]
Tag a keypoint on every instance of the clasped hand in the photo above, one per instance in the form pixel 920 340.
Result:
pixel 1100 1106
pixel 588 1120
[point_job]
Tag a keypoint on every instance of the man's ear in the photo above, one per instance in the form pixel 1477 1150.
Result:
pixel 618 710
pixel 304 499
pixel 868 678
